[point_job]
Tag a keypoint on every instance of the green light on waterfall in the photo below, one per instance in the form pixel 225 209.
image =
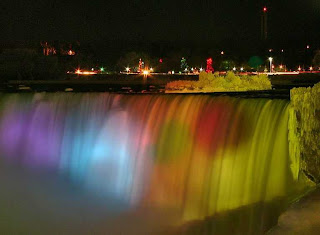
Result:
pixel 174 138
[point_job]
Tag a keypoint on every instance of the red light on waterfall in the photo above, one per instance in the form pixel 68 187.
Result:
pixel 213 122
pixel 265 9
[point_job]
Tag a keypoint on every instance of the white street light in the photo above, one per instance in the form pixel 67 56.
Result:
pixel 270 59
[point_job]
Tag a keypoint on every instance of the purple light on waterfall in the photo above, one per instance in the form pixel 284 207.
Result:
pixel 31 136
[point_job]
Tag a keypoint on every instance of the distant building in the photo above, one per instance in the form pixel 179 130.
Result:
pixel 51 48
pixel 48 49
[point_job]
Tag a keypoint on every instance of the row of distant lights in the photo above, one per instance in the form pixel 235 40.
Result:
pixel 84 72
pixel 151 70
pixel 299 68
pixel 201 69
pixel 192 69
pixel 271 50
pixel 146 71
pixel 310 68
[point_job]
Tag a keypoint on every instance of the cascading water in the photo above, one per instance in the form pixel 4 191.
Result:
pixel 198 155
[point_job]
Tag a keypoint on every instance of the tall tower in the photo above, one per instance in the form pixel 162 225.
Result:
pixel 264 24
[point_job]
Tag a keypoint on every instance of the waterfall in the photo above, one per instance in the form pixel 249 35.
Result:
pixel 197 154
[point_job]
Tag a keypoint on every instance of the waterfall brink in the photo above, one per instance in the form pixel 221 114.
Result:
pixel 197 154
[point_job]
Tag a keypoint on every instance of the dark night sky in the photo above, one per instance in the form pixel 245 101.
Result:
pixel 218 22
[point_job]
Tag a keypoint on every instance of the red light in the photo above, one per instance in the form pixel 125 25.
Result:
pixel 160 60
pixel 265 9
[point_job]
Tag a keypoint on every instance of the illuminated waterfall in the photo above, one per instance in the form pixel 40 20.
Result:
pixel 196 154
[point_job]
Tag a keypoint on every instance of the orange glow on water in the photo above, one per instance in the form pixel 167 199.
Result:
pixel 78 71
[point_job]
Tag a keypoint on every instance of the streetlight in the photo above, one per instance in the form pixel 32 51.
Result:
pixel 270 59
pixel 127 69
